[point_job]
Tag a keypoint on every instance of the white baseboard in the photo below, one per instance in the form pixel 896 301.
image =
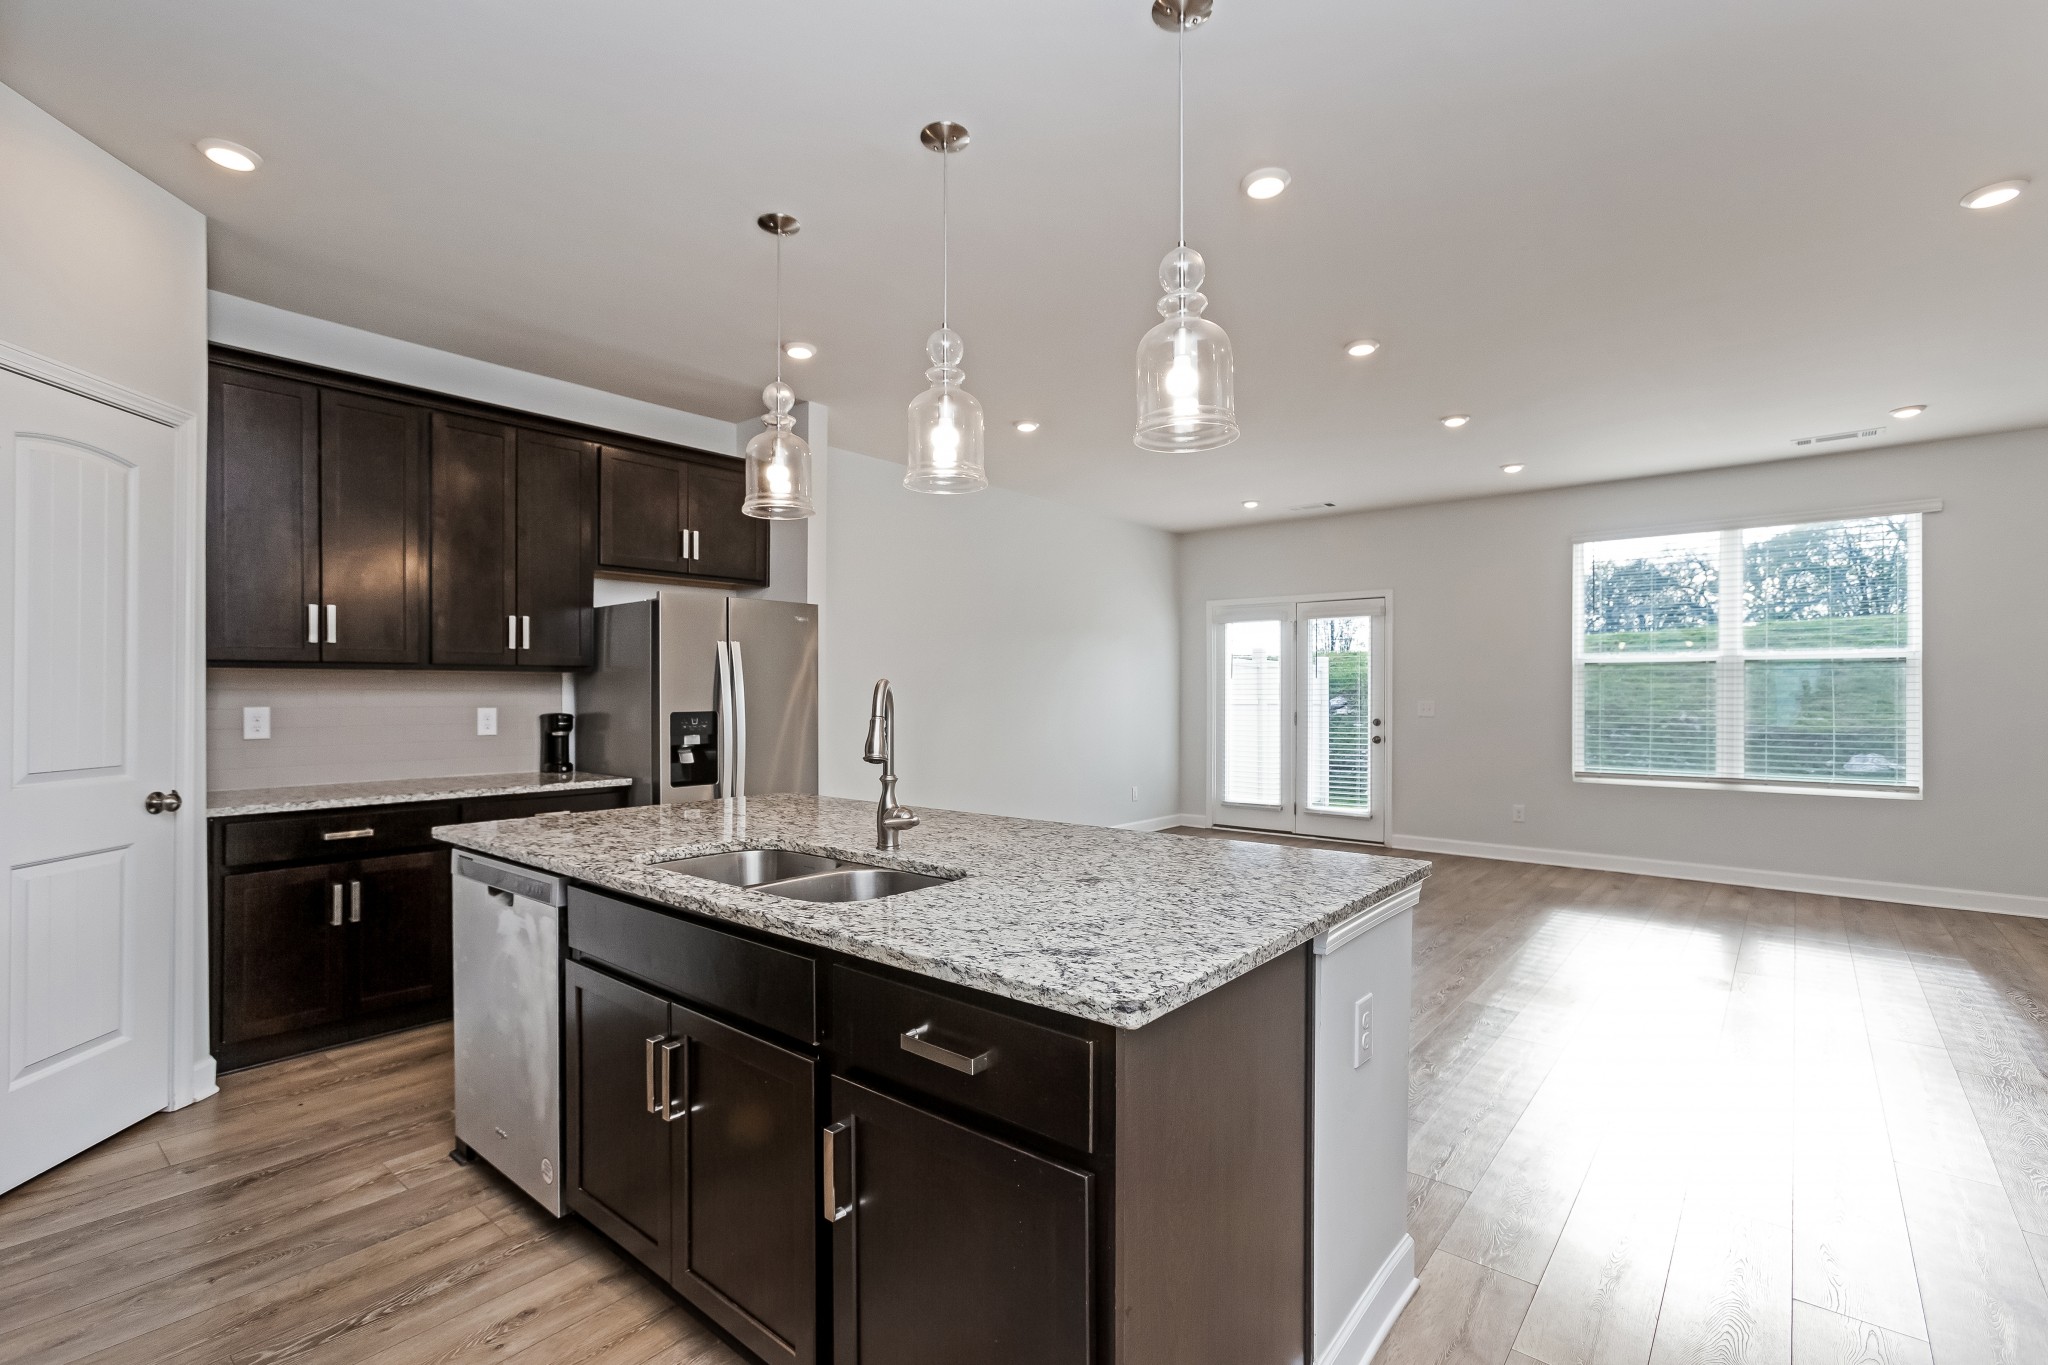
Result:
pixel 1159 822
pixel 1372 1317
pixel 1903 893
pixel 205 1082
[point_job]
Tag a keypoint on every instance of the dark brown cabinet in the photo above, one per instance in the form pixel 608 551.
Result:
pixel 373 530
pixel 692 1144
pixel 352 522
pixel 951 1245
pixel 283 953
pixel 678 518
pixel 399 913
pixel 262 519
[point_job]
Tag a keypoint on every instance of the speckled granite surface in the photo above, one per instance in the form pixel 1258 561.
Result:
pixel 1105 924
pixel 339 795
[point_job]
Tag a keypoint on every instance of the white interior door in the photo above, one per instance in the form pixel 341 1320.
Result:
pixel 1299 740
pixel 88 692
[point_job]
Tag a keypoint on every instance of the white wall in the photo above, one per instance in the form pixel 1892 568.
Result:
pixel 1481 625
pixel 1031 646
pixel 105 272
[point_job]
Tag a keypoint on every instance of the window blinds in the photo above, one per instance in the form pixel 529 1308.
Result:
pixel 1767 655
pixel 1251 712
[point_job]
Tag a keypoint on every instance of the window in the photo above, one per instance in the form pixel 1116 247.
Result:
pixel 1775 656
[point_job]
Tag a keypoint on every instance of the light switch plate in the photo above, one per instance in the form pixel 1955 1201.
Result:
pixel 487 720
pixel 255 722
pixel 1361 1032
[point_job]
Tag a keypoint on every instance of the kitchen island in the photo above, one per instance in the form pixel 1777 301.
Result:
pixel 1085 1095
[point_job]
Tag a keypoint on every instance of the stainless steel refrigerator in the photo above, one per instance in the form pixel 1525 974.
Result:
pixel 696 696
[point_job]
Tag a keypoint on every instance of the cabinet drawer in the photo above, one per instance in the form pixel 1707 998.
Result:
pixel 693 961
pixel 542 803
pixel 1022 1073
pixel 333 834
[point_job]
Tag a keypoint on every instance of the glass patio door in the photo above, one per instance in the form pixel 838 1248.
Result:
pixel 1299 743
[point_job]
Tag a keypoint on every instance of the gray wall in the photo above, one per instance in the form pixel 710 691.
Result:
pixel 1481 626
pixel 1031 646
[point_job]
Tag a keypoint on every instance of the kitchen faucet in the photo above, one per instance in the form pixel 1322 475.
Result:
pixel 890 819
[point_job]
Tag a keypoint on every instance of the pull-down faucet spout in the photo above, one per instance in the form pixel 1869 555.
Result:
pixel 890 819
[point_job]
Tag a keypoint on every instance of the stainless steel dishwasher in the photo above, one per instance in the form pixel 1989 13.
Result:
pixel 508 1007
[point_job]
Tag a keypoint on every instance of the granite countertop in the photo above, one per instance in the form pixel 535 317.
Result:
pixel 1105 924
pixel 340 795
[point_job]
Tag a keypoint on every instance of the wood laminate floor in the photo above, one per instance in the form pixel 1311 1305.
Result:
pixel 1651 1122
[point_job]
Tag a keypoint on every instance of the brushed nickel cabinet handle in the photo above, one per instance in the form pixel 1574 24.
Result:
pixel 652 1043
pixel 834 1210
pixel 669 1112
pixel 334 904
pixel 330 623
pixel 312 623
pixel 355 902
pixel 526 632
pixel 334 834
pixel 916 1044
pixel 511 632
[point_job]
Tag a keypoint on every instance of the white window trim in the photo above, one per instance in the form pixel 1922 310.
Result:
pixel 1731 697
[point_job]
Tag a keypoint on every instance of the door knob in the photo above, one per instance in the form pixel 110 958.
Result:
pixel 162 803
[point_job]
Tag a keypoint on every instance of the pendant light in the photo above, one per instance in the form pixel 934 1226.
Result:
pixel 778 461
pixel 945 420
pixel 1185 392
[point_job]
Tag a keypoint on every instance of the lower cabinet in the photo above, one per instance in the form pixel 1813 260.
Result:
pixel 693 1144
pixel 950 1245
pixel 329 944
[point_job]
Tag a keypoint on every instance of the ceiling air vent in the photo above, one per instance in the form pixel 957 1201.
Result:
pixel 1313 507
pixel 1834 436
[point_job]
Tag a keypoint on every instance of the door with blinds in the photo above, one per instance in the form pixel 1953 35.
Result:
pixel 1299 742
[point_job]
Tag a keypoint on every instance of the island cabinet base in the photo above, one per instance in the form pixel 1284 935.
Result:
pixel 935 1174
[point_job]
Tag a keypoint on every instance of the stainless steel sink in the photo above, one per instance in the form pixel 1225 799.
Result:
pixel 852 882
pixel 752 866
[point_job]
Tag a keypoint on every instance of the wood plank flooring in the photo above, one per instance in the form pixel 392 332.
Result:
pixel 1651 1122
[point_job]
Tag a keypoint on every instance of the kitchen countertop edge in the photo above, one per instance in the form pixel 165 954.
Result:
pixel 400 791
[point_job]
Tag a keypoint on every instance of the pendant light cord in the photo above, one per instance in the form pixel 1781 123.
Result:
pixel 1180 78
pixel 945 234
pixel 778 306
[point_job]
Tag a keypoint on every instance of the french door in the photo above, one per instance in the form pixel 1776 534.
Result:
pixel 1298 740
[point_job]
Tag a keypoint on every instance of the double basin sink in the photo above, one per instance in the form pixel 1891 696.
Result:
pixel 802 876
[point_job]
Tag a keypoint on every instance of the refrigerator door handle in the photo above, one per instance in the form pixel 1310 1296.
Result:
pixel 726 785
pixel 739 720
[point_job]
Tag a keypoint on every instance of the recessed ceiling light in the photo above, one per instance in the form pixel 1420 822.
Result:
pixel 1911 410
pixel 1455 420
pixel 1511 469
pixel 1026 427
pixel 1359 349
pixel 1991 196
pixel 799 350
pixel 1266 182
pixel 231 156
pixel 1250 504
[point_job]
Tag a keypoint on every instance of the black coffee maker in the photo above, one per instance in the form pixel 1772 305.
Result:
pixel 555 728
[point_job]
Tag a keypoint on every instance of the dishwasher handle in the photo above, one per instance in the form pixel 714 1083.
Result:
pixel 519 881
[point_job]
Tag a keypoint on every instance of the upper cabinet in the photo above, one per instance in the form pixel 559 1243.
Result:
pixel 355 523
pixel 677 519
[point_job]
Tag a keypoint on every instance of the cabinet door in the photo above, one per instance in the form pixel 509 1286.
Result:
pixel 399 913
pixel 283 957
pixel 745 1158
pixel 373 530
pixel 262 518
pixel 641 502
pixel 955 1246
pixel 557 550
pixel 474 497
pixel 619 1160
pixel 729 543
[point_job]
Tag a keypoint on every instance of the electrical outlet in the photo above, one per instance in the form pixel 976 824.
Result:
pixel 487 720
pixel 1425 708
pixel 1134 793
pixel 1361 1032
pixel 255 722
pixel 1520 813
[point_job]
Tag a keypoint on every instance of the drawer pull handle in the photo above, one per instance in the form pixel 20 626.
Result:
pixel 834 1210
pixel 669 1112
pixel 331 835
pixel 916 1044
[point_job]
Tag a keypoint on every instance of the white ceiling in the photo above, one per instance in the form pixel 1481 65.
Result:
pixel 1627 236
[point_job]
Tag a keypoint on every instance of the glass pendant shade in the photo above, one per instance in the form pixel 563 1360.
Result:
pixel 945 425
pixel 1186 398
pixel 778 462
